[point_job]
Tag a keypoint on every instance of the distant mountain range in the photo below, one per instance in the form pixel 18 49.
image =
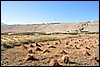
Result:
pixel 3 24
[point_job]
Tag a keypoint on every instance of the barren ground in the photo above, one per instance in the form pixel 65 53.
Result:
pixel 14 56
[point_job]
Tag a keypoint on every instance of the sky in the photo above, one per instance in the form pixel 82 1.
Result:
pixel 38 12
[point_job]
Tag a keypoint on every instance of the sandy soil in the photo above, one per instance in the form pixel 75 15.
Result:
pixel 74 48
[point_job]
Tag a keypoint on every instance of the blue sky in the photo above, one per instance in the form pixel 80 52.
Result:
pixel 35 12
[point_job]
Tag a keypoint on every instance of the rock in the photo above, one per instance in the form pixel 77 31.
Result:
pixel 67 43
pixel 63 52
pixel 46 50
pixel 68 46
pixel 45 43
pixel 81 44
pixel 79 40
pixel 76 42
pixel 59 41
pixel 51 46
pixel 37 44
pixel 87 48
pixel 53 62
pixel 37 49
pixel 19 60
pixel 77 47
pixel 63 59
pixel 29 57
pixel 30 51
pixel 56 55
pixel 41 44
pixel 91 58
pixel 85 53
pixel 55 43
pixel 31 45
pixel 91 46
pixel 97 59
pixel 24 47
pixel 71 39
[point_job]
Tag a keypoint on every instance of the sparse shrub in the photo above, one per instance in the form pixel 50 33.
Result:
pixel 24 42
pixel 88 21
pixel 11 43
pixel 30 40
pixel 93 32
pixel 79 35
pixel 2 48
pixel 6 33
pixel 4 62
pixel 7 46
pixel 43 39
pixel 73 33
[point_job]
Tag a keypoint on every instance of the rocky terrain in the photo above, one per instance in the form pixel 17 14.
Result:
pixel 68 50
pixel 91 26
pixel 80 49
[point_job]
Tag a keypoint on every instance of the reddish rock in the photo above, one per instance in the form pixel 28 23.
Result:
pixel 63 59
pixel 46 50
pixel 55 43
pixel 87 48
pixel 29 57
pixel 51 46
pixel 30 51
pixel 76 42
pixel 97 59
pixel 24 47
pixel 37 44
pixel 71 39
pixel 41 44
pixel 37 49
pixel 68 46
pixel 67 43
pixel 81 44
pixel 85 53
pixel 77 46
pixel 53 62
pixel 91 58
pixel 91 46
pixel 63 52
pixel 59 41
pixel 45 43
pixel 31 45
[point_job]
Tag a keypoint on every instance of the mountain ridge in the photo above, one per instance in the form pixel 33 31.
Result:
pixel 3 24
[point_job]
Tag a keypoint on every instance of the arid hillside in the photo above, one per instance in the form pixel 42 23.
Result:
pixel 91 26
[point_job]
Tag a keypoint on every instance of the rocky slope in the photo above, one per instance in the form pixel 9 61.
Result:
pixel 92 26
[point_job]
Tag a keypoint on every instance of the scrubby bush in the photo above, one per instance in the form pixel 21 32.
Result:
pixel 4 62
pixel 44 39
pixel 11 43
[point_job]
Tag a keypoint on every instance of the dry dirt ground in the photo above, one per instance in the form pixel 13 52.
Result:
pixel 82 51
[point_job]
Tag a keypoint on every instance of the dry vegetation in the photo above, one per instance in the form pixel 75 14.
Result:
pixel 65 44
pixel 50 50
